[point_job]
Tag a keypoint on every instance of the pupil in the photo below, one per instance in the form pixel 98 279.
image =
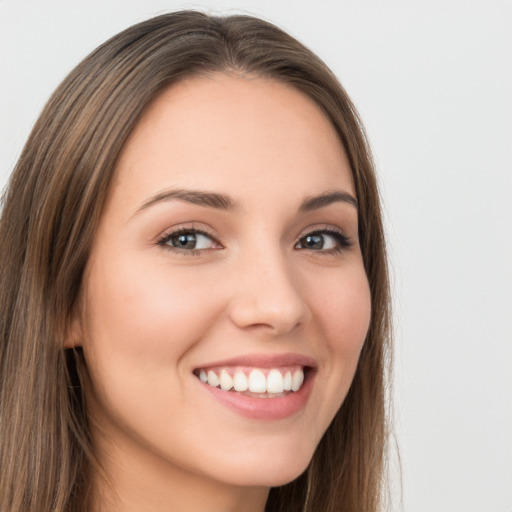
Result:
pixel 186 241
pixel 314 241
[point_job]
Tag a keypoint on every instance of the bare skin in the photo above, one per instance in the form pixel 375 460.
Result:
pixel 230 231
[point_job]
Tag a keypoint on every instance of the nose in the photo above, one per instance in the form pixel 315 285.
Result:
pixel 267 294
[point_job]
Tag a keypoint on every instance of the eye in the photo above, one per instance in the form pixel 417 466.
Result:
pixel 188 240
pixel 327 240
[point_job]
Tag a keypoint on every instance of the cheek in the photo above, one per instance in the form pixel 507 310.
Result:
pixel 345 310
pixel 340 302
pixel 150 314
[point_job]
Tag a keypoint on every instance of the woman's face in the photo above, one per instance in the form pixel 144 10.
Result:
pixel 228 253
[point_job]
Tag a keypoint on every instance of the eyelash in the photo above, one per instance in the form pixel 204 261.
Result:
pixel 164 240
pixel 343 242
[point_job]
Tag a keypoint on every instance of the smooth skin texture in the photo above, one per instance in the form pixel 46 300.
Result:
pixel 153 310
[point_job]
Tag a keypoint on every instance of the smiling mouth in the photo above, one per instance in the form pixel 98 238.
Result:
pixel 255 382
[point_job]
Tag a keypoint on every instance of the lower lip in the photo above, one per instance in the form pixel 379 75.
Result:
pixel 264 408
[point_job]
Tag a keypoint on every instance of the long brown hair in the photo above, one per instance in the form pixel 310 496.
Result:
pixel 50 213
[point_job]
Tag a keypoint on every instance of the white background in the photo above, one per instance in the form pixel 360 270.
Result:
pixel 433 83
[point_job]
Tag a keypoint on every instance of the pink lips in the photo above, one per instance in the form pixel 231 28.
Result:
pixel 264 408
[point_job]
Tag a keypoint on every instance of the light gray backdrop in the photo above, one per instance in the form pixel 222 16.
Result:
pixel 433 81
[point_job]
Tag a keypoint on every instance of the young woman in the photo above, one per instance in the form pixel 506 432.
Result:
pixel 194 295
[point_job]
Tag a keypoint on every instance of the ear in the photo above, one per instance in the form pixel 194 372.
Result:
pixel 74 332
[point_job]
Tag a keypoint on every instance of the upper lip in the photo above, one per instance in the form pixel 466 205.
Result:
pixel 264 361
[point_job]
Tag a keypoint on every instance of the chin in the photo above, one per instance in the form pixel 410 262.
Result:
pixel 282 477
pixel 272 469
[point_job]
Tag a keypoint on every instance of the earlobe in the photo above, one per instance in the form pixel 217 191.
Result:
pixel 74 331
pixel 73 338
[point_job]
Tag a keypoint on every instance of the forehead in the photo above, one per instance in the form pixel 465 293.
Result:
pixel 243 135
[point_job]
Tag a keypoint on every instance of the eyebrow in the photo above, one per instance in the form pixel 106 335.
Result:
pixel 199 197
pixel 225 202
pixel 315 202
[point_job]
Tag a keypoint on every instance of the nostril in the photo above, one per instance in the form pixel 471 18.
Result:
pixel 258 315
pixel 267 295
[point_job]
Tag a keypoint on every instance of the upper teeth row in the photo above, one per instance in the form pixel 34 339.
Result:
pixel 256 382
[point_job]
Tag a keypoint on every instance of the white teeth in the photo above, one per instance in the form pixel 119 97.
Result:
pixel 297 380
pixel 226 381
pixel 287 381
pixel 275 382
pixel 257 382
pixel 213 380
pixel 240 382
